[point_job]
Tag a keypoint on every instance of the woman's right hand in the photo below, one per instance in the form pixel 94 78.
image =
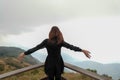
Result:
pixel 21 56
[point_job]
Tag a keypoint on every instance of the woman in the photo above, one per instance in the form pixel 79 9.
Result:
pixel 54 64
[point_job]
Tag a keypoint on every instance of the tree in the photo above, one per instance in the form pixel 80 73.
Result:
pixel 95 71
pixel 107 76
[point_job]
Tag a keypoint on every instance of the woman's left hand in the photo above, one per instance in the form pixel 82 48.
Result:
pixel 87 53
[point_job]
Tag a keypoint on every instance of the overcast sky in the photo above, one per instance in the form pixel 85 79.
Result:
pixel 89 24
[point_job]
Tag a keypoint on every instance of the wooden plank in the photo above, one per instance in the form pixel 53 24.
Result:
pixel 5 75
pixel 83 71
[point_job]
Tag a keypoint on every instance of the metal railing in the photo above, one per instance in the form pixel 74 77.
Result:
pixel 67 65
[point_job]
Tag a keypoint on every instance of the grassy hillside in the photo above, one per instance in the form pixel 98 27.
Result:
pixel 10 64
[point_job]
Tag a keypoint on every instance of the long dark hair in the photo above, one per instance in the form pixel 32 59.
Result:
pixel 55 33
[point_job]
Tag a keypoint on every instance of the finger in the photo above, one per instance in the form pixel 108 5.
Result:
pixel 89 56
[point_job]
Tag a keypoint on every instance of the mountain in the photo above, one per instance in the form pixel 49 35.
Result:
pixel 13 52
pixel 112 70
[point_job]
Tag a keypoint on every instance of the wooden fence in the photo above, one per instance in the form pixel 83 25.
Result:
pixel 67 65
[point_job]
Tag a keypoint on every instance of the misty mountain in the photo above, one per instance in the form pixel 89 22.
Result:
pixel 112 70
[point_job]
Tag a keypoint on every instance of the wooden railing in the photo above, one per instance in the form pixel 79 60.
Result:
pixel 67 65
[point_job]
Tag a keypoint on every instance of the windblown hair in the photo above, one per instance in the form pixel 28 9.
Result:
pixel 55 33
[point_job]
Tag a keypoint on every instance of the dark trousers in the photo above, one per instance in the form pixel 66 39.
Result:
pixel 51 77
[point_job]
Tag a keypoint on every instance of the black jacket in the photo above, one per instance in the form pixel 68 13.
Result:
pixel 54 63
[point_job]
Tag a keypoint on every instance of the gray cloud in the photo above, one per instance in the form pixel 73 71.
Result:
pixel 21 15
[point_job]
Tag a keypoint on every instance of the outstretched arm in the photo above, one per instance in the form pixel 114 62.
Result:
pixel 40 46
pixel 69 46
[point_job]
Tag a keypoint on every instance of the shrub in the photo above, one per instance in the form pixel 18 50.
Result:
pixel 2 67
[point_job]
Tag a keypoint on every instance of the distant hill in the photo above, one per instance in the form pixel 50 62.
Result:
pixel 13 52
pixel 112 70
